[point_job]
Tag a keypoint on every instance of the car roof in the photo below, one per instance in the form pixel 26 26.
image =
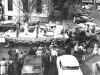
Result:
pixel 85 17
pixel 32 59
pixel 68 60
pixel 91 23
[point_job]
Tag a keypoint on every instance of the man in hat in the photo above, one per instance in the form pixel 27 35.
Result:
pixel 10 51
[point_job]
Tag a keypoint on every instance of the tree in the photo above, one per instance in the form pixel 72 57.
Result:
pixel 25 8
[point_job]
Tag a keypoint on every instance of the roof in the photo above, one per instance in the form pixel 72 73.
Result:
pixel 91 23
pixel 70 60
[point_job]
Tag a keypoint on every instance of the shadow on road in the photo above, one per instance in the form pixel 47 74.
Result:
pixel 85 69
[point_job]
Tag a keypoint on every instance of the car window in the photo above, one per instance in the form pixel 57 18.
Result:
pixel 33 60
pixel 70 67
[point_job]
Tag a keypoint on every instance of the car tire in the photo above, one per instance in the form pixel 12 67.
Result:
pixel 91 44
pixel 6 44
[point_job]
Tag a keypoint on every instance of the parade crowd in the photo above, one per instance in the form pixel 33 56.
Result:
pixel 49 54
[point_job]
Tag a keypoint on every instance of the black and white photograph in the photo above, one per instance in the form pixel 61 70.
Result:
pixel 49 37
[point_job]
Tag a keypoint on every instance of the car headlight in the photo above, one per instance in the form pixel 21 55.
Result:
pixel 27 69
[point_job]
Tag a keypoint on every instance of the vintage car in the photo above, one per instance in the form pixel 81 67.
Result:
pixel 70 67
pixel 78 33
pixel 90 25
pixel 7 25
pixel 83 19
pixel 32 65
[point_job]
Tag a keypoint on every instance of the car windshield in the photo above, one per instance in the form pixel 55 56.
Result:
pixel 70 67
pixel 33 60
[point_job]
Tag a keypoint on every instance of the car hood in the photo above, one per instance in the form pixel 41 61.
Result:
pixel 72 72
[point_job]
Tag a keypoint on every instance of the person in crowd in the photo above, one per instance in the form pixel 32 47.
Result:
pixel 26 28
pixel 76 47
pixel 95 50
pixel 68 48
pixel 93 29
pixel 88 29
pixel 32 51
pixel 14 54
pixel 54 53
pixel 3 65
pixel 10 51
pixel 15 66
pixel 39 51
pixel 21 55
pixel 17 51
pixel 10 67
pixel 80 53
pixel 83 52
pixel 57 48
pixel 18 28
pixel 20 65
pixel 96 68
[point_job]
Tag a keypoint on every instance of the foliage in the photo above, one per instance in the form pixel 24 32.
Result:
pixel 26 7
pixel 68 8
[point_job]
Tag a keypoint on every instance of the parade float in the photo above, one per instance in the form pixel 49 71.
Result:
pixel 32 35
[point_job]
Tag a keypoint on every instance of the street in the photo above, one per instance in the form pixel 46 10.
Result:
pixel 86 66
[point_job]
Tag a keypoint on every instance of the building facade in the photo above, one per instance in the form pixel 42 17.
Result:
pixel 13 10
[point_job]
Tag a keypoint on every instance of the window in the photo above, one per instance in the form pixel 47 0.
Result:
pixel 9 17
pixel 10 5
pixel 39 6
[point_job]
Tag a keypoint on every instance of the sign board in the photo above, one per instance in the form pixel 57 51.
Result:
pixel 87 1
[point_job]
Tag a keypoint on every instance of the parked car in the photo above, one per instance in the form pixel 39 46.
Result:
pixel 7 25
pixel 90 24
pixel 32 65
pixel 69 67
pixel 83 19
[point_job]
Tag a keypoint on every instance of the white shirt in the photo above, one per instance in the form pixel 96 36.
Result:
pixel 76 47
pixel 3 63
pixel 53 52
pixel 17 51
pixel 39 53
